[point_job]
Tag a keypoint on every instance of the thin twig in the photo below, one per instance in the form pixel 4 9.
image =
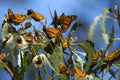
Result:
pixel 8 69
pixel 39 74
pixel 114 73
pixel 46 72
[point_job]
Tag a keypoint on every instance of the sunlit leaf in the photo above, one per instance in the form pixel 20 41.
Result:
pixel 7 29
pixel 88 47
pixel 103 27
pixel 92 27
pixel 79 62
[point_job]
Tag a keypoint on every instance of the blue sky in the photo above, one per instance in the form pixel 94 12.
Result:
pixel 86 10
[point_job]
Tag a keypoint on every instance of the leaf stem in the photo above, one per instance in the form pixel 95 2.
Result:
pixel 8 69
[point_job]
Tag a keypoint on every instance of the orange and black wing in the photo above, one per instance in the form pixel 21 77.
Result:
pixel 51 32
pixel 66 20
pixel 111 55
pixel 3 55
pixel 15 18
pixel 11 16
pixel 19 19
pixel 55 21
pixel 35 15
pixel 65 42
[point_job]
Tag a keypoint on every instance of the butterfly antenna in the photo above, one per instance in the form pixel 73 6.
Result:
pixel 50 13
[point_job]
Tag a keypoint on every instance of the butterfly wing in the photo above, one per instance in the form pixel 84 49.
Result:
pixel 55 21
pixel 65 42
pixel 36 16
pixel 51 32
pixel 66 20
pixel 10 14
pixel 19 19
pixel 3 55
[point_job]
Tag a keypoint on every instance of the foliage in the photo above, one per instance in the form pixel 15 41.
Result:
pixel 49 48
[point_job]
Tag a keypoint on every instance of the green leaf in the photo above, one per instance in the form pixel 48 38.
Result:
pixel 96 79
pixel 104 34
pixel 12 51
pixel 79 62
pixel 2 65
pixel 56 57
pixel 50 47
pixel 110 40
pixel 62 77
pixel 6 29
pixel 80 79
pixel 88 47
pixel 117 64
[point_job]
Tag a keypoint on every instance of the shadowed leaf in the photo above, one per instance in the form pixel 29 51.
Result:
pixel 56 57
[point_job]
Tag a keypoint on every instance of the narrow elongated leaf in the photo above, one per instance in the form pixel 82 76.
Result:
pixel 88 47
pixel 11 50
pixel 56 57
pixel 117 65
pixel 103 27
pixel 110 40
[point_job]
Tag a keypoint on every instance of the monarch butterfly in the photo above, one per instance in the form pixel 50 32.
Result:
pixel 65 42
pixel 111 55
pixel 3 55
pixel 64 20
pixel 55 20
pixel 14 18
pixel 11 15
pixel 63 68
pixel 51 32
pixel 28 38
pixel 19 19
pixel 34 15
pixel 97 55
pixel 78 73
